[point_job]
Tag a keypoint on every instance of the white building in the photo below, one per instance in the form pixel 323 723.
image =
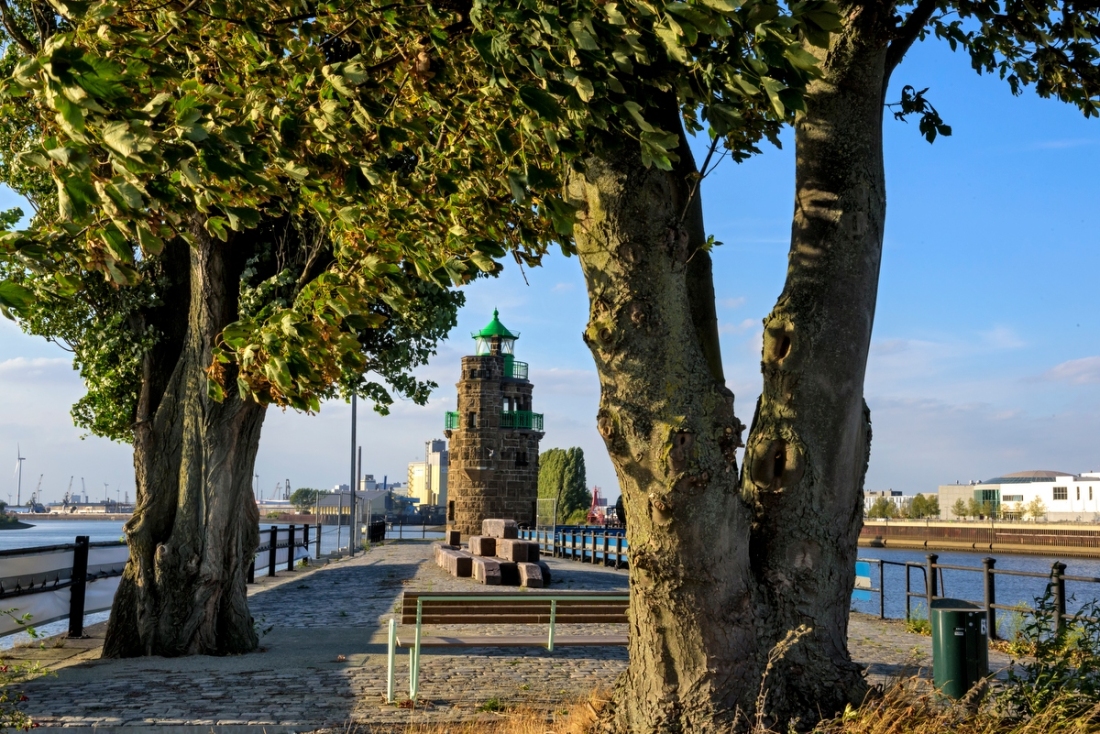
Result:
pixel 1065 496
pixel 870 496
pixel 428 478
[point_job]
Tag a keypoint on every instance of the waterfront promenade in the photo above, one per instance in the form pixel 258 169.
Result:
pixel 313 618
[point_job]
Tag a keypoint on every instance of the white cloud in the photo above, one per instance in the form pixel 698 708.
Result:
pixel 1061 144
pixel 739 328
pixel 1084 371
pixel 732 302
pixel 562 287
pixel 1002 337
pixel 36 369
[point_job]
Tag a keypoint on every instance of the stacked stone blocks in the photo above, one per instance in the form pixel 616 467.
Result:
pixel 495 558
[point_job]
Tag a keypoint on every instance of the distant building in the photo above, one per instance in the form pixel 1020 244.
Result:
pixel 428 478
pixel 870 496
pixel 1065 496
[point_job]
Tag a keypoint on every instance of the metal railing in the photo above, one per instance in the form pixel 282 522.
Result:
pixel 585 545
pixel 521 419
pixel 451 421
pixel 515 370
pixel 275 539
pixel 932 572
pixel 414 649
pixel 66 570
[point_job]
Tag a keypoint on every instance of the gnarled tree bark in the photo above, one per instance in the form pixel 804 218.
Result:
pixel 669 425
pixel 808 449
pixel 195 525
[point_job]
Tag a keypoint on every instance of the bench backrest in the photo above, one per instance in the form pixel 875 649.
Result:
pixel 572 608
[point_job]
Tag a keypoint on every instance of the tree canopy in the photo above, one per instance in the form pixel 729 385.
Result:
pixel 562 478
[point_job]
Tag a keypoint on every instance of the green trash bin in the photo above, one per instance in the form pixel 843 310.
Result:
pixel 960 646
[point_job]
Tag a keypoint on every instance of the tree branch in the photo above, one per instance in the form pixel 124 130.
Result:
pixel 13 29
pixel 908 33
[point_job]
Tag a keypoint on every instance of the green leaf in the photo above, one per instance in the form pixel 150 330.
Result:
pixel 540 102
pixel 15 296
pixel 722 6
pixel 773 88
pixel 671 41
pixel 70 116
pixel 119 137
pixel 585 40
pixel 150 243
pixel 124 194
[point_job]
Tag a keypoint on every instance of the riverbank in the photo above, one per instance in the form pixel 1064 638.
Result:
pixel 1077 540
pixel 322 661
pixel 77 516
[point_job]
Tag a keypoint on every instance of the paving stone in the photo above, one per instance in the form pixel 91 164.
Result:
pixel 483 546
pixel 495 528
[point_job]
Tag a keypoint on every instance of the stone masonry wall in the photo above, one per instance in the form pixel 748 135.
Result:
pixel 493 471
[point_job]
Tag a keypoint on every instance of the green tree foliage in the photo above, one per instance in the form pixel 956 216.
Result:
pixel 305 498
pixel 562 478
pixel 1036 509
pixel 882 508
pixel 960 509
pixel 924 506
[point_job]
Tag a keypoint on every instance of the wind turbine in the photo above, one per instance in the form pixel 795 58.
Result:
pixel 19 459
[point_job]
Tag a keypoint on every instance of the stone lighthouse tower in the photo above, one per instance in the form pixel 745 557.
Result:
pixel 494 437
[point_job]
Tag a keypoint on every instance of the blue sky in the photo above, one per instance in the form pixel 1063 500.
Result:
pixel 986 351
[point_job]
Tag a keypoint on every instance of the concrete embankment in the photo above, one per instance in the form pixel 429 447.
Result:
pixel 1075 540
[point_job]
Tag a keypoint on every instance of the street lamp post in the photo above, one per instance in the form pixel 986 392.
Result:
pixel 354 482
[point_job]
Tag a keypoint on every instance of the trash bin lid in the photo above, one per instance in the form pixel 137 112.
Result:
pixel 955 605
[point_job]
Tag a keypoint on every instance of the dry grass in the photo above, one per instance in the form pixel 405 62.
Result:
pixel 911 707
pixel 572 717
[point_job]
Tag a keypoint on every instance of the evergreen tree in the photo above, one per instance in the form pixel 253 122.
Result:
pixel 562 478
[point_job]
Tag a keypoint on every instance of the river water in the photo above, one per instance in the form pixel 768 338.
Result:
pixel 57 532
pixel 968 585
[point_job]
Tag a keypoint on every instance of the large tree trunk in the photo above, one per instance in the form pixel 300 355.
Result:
pixel 808 449
pixel 195 526
pixel 668 422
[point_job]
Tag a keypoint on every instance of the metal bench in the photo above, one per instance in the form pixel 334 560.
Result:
pixel 489 608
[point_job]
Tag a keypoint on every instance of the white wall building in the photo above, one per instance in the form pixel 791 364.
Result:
pixel 1066 497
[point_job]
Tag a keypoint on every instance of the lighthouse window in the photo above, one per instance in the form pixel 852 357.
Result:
pixel 1090 493
pixel 521 458
pixel 471 419
pixel 1061 493
pixel 1078 493
pixel 451 511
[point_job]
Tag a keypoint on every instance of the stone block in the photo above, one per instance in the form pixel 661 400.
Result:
pixel 509 574
pixel 482 546
pixel 518 551
pixel 500 528
pixel 458 563
pixel 437 552
pixel 546 577
pixel 487 571
pixel 530 575
pixel 454 537
pixel 512 550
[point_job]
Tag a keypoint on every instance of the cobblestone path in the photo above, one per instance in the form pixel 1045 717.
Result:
pixel 297 683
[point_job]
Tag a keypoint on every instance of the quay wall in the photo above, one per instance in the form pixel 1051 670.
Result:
pixel 1066 539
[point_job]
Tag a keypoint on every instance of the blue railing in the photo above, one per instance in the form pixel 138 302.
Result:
pixel 606 546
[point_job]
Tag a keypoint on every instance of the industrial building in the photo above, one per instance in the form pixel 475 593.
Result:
pixel 428 479
pixel 1063 496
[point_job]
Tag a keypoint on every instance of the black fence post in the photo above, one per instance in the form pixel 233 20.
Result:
pixel 318 537
pixel 78 587
pixel 252 571
pixel 990 595
pixel 881 591
pixel 290 550
pixel 1058 590
pixel 271 550
pixel 931 587
pixel 305 536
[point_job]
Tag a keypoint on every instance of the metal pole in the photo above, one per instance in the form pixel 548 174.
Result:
pixel 990 595
pixel 78 587
pixel 271 550
pixel 882 592
pixel 354 481
pixel 931 587
pixel 1058 589
pixel 339 520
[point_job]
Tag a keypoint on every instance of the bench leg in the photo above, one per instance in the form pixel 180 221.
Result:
pixel 390 660
pixel 413 674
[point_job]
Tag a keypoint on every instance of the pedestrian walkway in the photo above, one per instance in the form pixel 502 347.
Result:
pixel 322 660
